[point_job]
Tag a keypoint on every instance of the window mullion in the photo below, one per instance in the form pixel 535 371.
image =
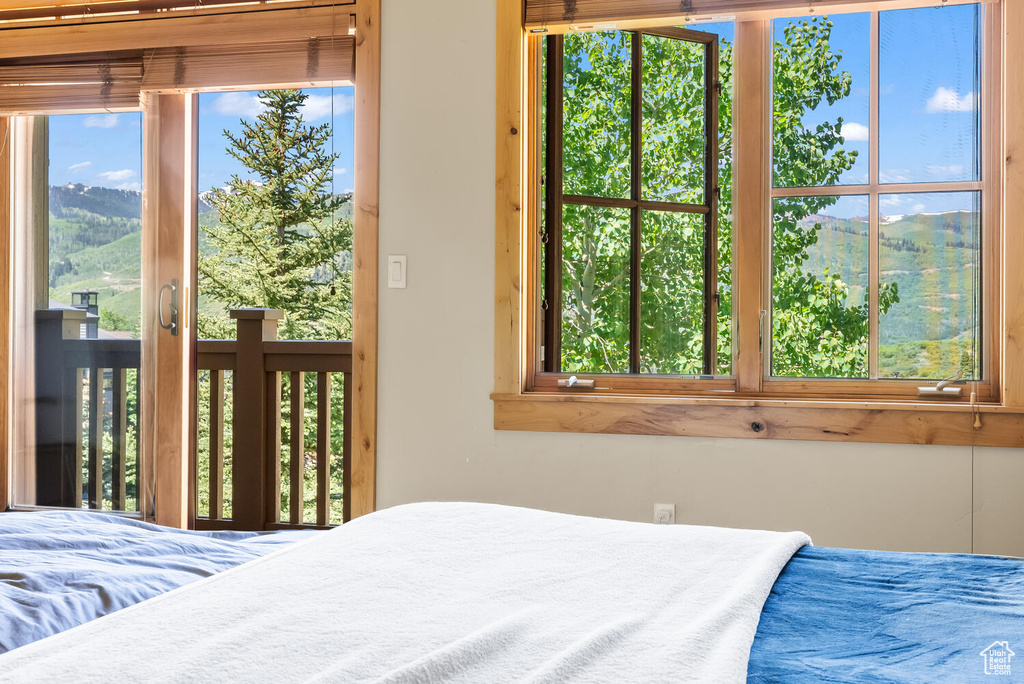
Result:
pixel 635 243
pixel 873 180
pixel 751 188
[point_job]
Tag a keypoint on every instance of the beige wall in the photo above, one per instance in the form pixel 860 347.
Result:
pixel 436 440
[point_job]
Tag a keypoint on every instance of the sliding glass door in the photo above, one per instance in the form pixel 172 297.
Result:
pixel 88 305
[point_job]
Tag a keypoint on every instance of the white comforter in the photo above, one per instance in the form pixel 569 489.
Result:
pixel 447 592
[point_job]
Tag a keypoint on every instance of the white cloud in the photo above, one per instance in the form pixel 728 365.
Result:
pixel 136 186
pixel 938 170
pixel 340 171
pixel 319 106
pixel 890 201
pixel 237 104
pixel 895 176
pixel 81 166
pixel 248 106
pixel 105 121
pixel 855 131
pixel 907 203
pixel 122 175
pixel 947 100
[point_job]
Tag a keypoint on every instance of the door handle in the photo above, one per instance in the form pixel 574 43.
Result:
pixel 173 324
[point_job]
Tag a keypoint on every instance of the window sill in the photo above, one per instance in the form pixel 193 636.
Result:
pixel 885 421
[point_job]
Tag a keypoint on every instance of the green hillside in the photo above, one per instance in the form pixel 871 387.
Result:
pixel 934 260
pixel 95 244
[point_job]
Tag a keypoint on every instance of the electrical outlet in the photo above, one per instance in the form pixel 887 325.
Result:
pixel 665 514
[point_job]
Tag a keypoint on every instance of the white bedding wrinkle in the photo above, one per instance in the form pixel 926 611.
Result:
pixel 448 592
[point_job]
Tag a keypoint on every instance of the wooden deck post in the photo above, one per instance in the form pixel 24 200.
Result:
pixel 56 460
pixel 249 422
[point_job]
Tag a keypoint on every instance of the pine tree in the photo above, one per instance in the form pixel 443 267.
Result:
pixel 280 242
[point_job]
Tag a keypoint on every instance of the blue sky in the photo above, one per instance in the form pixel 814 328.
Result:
pixel 106 149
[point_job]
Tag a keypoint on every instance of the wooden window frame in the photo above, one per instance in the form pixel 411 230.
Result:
pixel 556 199
pixel 123 35
pixel 755 408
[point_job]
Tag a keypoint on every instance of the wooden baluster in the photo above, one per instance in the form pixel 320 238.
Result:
pixel 74 379
pixel 297 448
pixel 323 447
pixel 273 475
pixel 138 435
pixel 95 462
pixel 119 435
pixel 216 444
pixel 346 451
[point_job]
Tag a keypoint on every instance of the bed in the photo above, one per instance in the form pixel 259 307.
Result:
pixel 477 592
pixel 59 569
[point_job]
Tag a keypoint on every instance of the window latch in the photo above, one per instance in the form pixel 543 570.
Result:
pixel 573 382
pixel 943 388
pixel 760 331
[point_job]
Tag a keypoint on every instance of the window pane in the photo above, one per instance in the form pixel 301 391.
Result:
pixel 596 115
pixel 595 290
pixel 725 32
pixel 819 287
pixel 76 235
pixel 275 220
pixel 929 255
pixel 672 294
pixel 929 84
pixel 821 81
pixel 673 120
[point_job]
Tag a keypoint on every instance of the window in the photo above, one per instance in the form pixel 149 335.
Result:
pixel 877 195
pixel 873 228
pixel 633 219
pixel 865 160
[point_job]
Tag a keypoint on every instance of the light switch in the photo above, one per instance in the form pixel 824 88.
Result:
pixel 396 271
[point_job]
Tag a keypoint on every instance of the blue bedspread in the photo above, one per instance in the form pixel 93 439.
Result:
pixel 59 569
pixel 839 615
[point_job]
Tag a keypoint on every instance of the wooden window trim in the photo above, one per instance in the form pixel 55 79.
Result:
pixel 5 309
pixel 525 400
pixel 653 13
pixel 365 223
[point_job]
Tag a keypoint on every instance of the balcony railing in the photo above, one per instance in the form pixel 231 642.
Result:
pixel 87 418
pixel 79 421
pixel 248 373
